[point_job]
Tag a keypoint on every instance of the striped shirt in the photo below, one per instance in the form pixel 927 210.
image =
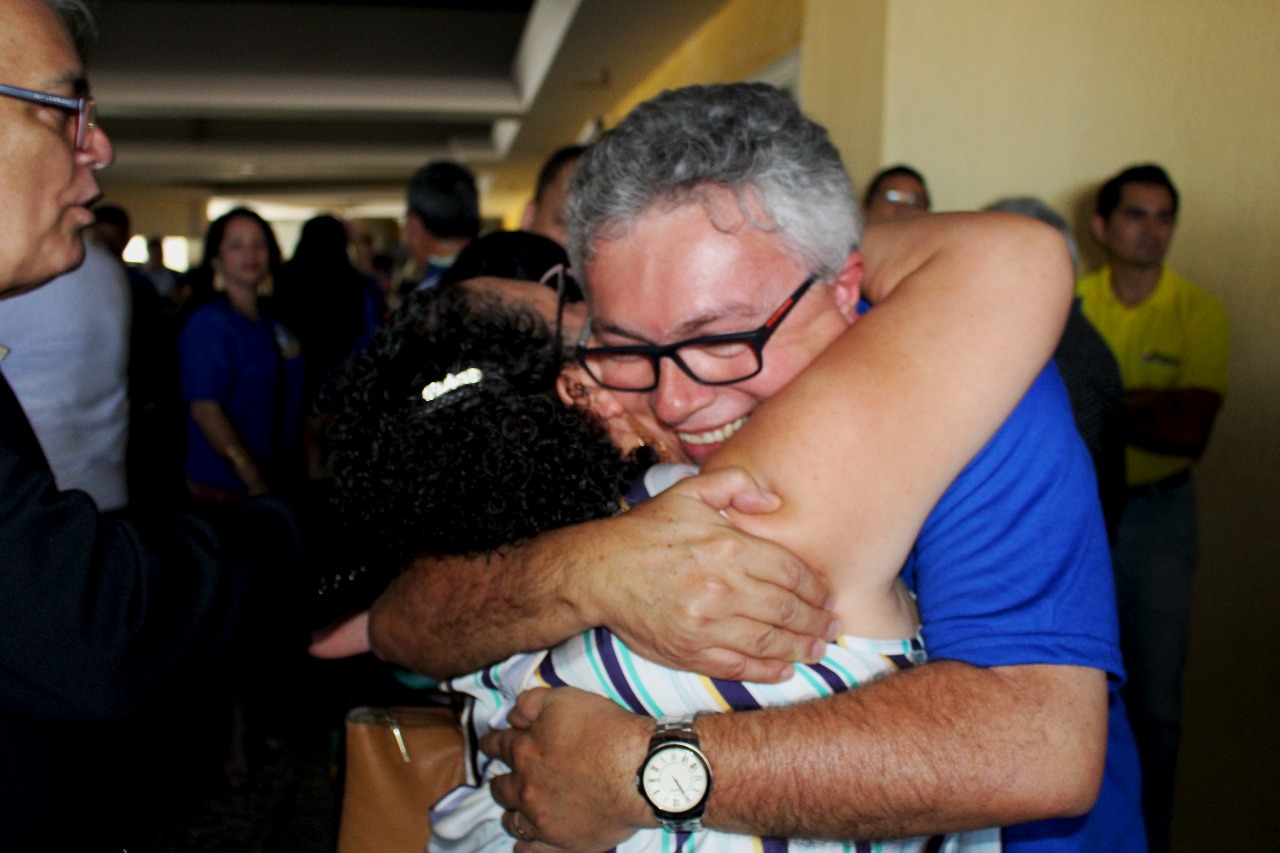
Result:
pixel 468 819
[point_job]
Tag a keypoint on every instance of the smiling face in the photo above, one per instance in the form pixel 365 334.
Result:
pixel 46 185
pixel 677 274
pixel 243 258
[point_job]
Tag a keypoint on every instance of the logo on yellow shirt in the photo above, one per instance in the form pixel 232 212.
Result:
pixel 1160 358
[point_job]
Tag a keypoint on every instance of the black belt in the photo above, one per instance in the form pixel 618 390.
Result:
pixel 1159 487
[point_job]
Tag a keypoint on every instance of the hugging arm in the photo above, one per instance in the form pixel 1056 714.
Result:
pixel 695 590
pixel 860 446
pixel 913 754
pixel 704 596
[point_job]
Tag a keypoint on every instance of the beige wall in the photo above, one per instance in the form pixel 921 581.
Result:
pixel 842 78
pixel 739 41
pixel 1049 97
pixel 997 97
pixel 743 38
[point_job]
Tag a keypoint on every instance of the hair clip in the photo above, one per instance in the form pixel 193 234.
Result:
pixel 451 382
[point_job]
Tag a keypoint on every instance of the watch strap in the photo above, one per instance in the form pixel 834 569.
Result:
pixel 676 729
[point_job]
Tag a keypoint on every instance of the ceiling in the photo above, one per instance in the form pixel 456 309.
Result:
pixel 335 104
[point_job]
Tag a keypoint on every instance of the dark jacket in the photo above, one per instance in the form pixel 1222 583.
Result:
pixel 97 616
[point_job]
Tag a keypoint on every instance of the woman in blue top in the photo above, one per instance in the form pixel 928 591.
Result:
pixel 242 382
pixel 242 370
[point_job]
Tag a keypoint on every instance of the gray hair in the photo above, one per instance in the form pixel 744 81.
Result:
pixel 747 137
pixel 78 19
pixel 1029 205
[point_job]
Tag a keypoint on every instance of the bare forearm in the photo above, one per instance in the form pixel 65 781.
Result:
pixel 940 748
pixel 451 615
pixel 981 308
pixel 673 578
pixel 1010 275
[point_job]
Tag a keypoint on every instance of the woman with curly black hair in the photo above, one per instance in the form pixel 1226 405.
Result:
pixel 460 429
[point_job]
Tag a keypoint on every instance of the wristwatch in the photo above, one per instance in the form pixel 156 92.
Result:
pixel 675 776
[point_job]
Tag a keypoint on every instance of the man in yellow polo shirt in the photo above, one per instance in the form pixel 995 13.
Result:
pixel 1170 339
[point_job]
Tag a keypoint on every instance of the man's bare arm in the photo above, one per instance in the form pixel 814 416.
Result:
pixel 672 577
pixel 450 615
pixel 970 747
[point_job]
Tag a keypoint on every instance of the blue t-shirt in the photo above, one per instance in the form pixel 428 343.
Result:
pixel 255 372
pixel 1013 567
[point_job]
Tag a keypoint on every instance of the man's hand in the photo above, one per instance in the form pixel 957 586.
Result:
pixel 673 578
pixel 697 594
pixel 554 798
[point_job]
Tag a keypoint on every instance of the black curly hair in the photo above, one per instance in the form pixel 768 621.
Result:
pixel 481 466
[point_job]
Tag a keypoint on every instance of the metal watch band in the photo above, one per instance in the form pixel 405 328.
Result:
pixel 677 729
pixel 674 728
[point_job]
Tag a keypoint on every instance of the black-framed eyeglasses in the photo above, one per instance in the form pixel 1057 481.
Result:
pixel 84 109
pixel 707 360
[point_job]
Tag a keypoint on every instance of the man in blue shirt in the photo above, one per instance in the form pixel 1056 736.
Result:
pixel 691 222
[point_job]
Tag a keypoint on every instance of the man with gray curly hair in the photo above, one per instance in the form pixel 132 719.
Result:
pixel 787 175
pixel 710 210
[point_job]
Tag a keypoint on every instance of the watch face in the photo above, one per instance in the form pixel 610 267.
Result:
pixel 675 779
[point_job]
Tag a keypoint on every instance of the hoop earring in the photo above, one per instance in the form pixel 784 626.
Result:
pixel 657 445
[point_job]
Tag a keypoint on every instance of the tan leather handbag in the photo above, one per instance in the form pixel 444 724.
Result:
pixel 400 761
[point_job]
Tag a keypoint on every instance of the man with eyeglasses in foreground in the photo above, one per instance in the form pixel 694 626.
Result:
pixel 714 210
pixel 97 614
